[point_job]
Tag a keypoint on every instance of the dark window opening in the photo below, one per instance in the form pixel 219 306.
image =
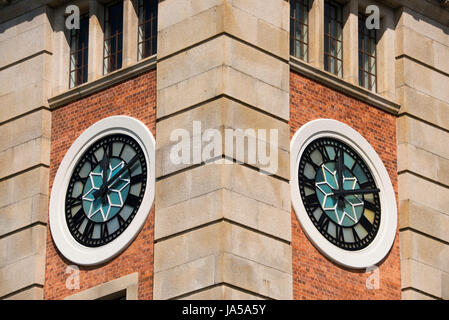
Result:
pixel 116 296
pixel 79 45
pixel 299 29
pixel 367 56
pixel 147 34
pixel 113 37
pixel 333 38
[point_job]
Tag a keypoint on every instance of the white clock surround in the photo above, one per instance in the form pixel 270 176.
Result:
pixel 66 244
pixel 382 243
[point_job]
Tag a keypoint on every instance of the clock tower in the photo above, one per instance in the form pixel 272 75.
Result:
pixel 224 149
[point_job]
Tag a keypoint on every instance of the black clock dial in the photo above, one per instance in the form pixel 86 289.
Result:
pixel 105 190
pixel 339 194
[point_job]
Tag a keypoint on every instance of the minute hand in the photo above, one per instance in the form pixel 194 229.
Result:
pixel 357 191
pixel 340 170
pixel 104 168
pixel 123 170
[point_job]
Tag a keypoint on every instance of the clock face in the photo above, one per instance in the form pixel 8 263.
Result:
pixel 105 190
pixel 339 194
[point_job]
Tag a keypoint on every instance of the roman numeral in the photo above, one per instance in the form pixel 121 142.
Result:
pixel 366 224
pixel 73 202
pixel 323 222
pixel 93 160
pixel 132 200
pixel 370 206
pixel 89 230
pixel 121 221
pixel 78 218
pixel 136 179
pixel 312 201
pixel 340 237
pixel 356 236
pixel 335 152
pixel 104 230
pixel 109 149
pixel 324 153
pixel 367 185
pixel 309 183
pixel 121 150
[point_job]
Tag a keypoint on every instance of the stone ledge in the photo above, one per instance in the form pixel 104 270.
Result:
pixel 412 294
pixel 425 250
pixel 222 175
pixel 343 86
pixel 223 204
pixel 218 238
pixel 222 269
pixel 416 217
pixel 424 278
pixel 34 292
pixel 102 83
pixel 22 274
pixel 24 213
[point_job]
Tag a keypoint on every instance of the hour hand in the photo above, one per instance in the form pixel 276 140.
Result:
pixel 123 170
pixel 104 168
pixel 340 171
pixel 357 191
pixel 338 193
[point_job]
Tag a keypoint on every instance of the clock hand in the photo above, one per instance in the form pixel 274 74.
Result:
pixel 357 191
pixel 104 167
pixel 122 171
pixel 338 193
pixel 340 170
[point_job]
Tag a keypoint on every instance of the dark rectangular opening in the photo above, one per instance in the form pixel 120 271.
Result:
pixel 147 33
pixel 113 36
pixel 299 29
pixel 79 48
pixel 333 37
pixel 367 56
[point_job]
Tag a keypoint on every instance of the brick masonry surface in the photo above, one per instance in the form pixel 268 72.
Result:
pixel 314 276
pixel 137 98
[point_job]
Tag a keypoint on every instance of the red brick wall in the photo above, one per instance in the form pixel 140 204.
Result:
pixel 314 276
pixel 137 98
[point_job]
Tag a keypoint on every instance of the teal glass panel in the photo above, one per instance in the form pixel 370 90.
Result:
pixel 349 161
pixel 331 152
pixel 327 181
pixel 309 172
pixel 316 157
pixel 98 210
pixel 332 229
pixel 360 175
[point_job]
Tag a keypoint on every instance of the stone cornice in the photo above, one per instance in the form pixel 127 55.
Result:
pixel 434 9
pixel 343 86
pixel 11 9
pixel 102 83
